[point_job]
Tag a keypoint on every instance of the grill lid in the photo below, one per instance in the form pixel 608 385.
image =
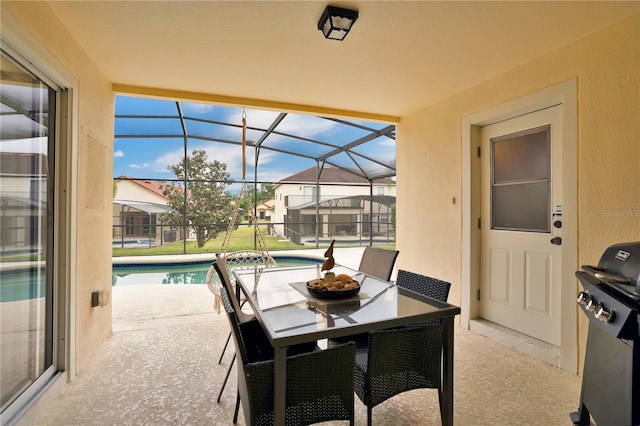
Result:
pixel 620 266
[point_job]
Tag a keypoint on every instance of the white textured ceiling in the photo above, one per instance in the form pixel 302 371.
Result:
pixel 399 57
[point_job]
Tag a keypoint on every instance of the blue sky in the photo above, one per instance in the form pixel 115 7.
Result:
pixel 149 157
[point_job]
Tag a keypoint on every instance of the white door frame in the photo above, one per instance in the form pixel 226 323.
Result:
pixel 564 94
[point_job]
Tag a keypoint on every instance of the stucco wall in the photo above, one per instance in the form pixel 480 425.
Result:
pixel 429 153
pixel 129 191
pixel 92 190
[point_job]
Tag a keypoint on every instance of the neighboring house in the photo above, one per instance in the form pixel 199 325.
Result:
pixel 347 205
pixel 23 201
pixel 265 210
pixel 137 206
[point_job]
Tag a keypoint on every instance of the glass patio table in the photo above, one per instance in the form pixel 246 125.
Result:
pixel 292 316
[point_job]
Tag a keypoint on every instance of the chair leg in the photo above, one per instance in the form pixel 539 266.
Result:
pixel 227 342
pixel 369 416
pixel 235 413
pixel 225 348
pixel 226 378
pixel 440 399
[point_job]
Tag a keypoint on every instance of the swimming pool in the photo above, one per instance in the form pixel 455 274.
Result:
pixel 30 283
pixel 22 284
pixel 182 273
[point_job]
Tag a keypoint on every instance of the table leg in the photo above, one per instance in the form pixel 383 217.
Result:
pixel 279 385
pixel 447 373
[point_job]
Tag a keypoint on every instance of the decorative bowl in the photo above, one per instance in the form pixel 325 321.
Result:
pixel 323 293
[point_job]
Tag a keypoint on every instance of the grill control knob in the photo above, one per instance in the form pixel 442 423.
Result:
pixel 584 297
pixel 604 314
pixel 593 305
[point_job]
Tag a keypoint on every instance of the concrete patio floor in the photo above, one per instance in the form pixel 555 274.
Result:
pixel 160 368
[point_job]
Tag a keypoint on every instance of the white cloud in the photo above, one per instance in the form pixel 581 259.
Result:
pixel 255 118
pixel 139 166
pixel 231 155
pixel 224 153
pixel 118 154
pixel 306 125
pixel 277 174
pixel 296 124
pixel 197 108
pixel 388 142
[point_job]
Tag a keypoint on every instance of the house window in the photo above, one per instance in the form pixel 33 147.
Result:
pixel 130 224
pixel 311 194
pixel 380 190
pixel 146 222
pixel 138 224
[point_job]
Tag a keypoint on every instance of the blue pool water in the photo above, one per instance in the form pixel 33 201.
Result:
pixel 30 283
pixel 22 284
pixel 191 273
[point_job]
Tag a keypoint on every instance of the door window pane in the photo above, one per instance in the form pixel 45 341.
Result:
pixel 26 320
pixel 521 157
pixel 520 186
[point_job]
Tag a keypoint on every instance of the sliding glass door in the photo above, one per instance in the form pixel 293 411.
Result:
pixel 27 119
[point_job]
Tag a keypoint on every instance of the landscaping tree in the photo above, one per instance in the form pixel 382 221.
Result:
pixel 208 207
pixel 266 192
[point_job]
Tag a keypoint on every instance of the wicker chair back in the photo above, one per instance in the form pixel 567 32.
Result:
pixel 405 358
pixel 221 268
pixel 378 262
pixel 313 394
pixel 431 287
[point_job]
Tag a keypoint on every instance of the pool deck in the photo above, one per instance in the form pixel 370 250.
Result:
pixel 138 306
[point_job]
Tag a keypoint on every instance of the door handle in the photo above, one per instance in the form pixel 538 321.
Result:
pixel 556 241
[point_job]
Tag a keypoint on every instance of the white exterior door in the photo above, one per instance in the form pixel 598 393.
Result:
pixel 521 224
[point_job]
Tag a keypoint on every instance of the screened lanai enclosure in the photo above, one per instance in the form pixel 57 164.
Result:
pixel 309 179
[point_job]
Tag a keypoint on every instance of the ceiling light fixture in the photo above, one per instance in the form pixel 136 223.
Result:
pixel 336 22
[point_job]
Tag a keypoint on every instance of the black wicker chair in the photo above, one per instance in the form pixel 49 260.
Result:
pixel 319 383
pixel 401 359
pixel 431 287
pixel 237 260
pixel 220 266
pixel 378 262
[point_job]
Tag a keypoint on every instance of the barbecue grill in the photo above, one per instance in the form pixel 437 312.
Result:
pixel 611 300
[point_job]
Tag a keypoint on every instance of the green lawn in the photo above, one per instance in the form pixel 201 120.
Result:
pixel 241 239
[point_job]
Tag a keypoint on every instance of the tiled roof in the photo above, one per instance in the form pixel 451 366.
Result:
pixel 269 205
pixel 271 202
pixel 329 174
pixel 149 185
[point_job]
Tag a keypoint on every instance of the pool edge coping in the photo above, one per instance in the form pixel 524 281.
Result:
pixel 188 259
